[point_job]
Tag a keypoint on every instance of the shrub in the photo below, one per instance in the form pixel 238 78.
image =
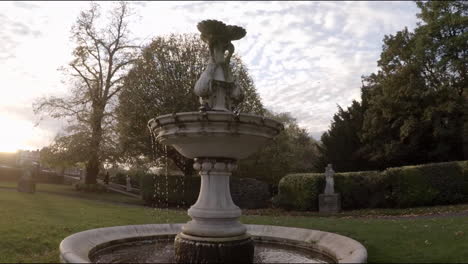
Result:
pixel 10 174
pixel 95 188
pixel 422 185
pixel 183 191
pixel 48 177
pixel 119 178
pixel 429 184
pixel 363 189
pixel 156 190
pixel 249 193
pixel 299 191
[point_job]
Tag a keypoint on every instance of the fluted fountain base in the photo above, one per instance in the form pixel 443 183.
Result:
pixel 192 249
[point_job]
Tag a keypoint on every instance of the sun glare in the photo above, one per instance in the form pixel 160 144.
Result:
pixel 14 134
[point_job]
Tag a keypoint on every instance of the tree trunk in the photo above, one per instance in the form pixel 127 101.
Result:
pixel 93 164
pixel 464 126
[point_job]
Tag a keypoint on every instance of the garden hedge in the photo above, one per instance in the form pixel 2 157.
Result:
pixel 421 185
pixel 13 174
pixel 175 191
pixel 183 191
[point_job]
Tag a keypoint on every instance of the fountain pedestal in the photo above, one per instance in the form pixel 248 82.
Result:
pixel 214 234
pixel 216 138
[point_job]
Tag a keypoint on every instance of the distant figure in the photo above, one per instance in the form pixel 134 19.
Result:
pixel 330 183
pixel 106 178
pixel 129 184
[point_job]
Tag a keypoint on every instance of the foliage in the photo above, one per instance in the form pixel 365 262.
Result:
pixel 341 144
pixel 171 190
pixel 65 151
pixel 101 56
pixel 161 82
pixel 94 188
pixel 299 191
pixel 422 185
pixel 414 109
pixel 293 150
pixel 10 174
pixel 363 189
pixel 182 191
pixel 430 184
pixel 119 178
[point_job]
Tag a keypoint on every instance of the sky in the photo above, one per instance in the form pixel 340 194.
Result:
pixel 305 57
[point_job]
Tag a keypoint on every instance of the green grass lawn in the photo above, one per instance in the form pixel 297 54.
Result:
pixel 32 226
pixel 70 191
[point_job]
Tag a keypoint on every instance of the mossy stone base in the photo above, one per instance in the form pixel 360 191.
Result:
pixel 190 249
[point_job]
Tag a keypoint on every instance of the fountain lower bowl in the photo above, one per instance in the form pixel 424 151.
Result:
pixel 86 246
pixel 214 134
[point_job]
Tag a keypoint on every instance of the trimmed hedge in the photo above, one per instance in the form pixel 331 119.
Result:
pixel 422 185
pixel 176 191
pixel 13 174
pixel 431 184
pixel 10 174
pixel 299 191
pixel 183 191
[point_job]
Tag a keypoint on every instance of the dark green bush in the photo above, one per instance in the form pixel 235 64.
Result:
pixel 363 189
pixel 95 188
pixel 422 185
pixel 299 191
pixel 429 184
pixel 48 177
pixel 159 190
pixel 10 174
pixel 119 178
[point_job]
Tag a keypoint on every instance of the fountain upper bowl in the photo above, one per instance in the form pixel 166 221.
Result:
pixel 214 134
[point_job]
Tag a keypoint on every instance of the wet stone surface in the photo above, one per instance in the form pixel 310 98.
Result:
pixel 162 251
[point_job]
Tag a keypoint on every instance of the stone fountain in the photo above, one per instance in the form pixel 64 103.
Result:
pixel 216 137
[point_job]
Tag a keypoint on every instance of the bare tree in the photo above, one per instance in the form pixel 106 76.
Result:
pixel 101 57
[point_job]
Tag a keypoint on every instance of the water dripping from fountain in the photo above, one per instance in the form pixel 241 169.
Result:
pixel 167 183
pixel 154 175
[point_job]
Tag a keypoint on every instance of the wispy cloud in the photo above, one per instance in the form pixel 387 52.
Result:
pixel 305 57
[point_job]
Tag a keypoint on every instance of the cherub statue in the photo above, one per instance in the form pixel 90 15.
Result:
pixel 216 87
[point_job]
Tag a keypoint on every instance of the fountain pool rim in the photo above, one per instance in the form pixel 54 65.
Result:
pixel 78 247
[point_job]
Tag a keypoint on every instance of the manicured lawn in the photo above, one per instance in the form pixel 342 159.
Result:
pixel 373 213
pixel 32 226
pixel 69 190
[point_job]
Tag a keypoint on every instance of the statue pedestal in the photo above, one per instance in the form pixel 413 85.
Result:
pixel 214 235
pixel 329 203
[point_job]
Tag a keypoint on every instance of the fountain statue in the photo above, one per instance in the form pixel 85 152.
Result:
pixel 216 137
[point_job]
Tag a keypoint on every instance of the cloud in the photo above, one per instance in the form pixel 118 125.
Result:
pixel 305 57
pixel 13 31
pixel 26 5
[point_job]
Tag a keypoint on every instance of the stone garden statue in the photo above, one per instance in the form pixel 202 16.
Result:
pixel 329 201
pixel 330 182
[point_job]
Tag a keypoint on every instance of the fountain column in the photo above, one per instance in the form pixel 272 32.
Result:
pixel 214 214
pixel 214 234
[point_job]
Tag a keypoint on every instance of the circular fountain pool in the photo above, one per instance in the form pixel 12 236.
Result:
pixel 155 244
pixel 162 251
